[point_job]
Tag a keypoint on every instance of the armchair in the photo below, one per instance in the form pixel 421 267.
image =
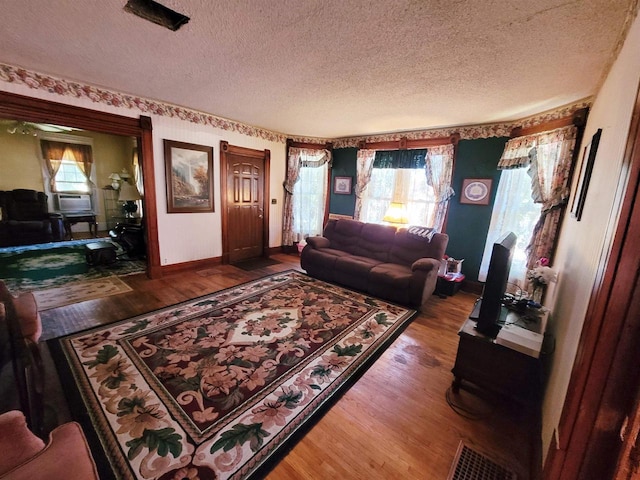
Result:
pixel 25 219
pixel 25 456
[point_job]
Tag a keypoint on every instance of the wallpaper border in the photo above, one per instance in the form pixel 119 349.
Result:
pixel 58 86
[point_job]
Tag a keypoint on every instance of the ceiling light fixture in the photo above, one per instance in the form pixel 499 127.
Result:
pixel 156 13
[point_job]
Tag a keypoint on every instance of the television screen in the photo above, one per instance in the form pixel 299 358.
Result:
pixel 495 285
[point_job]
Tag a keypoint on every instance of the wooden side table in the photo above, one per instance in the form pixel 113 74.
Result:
pixel 498 368
pixel 70 219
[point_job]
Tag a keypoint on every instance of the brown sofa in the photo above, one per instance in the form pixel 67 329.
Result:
pixel 399 265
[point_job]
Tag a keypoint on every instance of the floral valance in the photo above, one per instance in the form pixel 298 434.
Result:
pixel 516 152
pixel 400 159
pixel 519 151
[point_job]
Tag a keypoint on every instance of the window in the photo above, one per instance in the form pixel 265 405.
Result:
pixel 68 164
pixel 309 195
pixel 70 178
pixel 515 211
pixel 305 186
pixel 407 186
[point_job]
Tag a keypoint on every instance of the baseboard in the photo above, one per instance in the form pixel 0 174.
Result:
pixel 192 265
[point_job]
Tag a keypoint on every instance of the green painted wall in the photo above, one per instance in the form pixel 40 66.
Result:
pixel 344 165
pixel 467 225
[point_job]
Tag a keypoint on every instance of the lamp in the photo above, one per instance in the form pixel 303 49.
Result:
pixel 129 195
pixel 396 213
pixel 115 181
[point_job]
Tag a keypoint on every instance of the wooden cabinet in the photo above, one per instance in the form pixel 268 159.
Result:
pixel 499 369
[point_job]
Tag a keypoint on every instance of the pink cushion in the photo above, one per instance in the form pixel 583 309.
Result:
pixel 66 457
pixel 17 443
pixel 28 316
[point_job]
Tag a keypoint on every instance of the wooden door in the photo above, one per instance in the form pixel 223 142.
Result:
pixel 245 221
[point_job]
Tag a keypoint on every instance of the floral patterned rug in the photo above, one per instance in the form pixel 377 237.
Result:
pixel 214 387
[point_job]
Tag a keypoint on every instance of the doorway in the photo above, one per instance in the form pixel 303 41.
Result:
pixel 245 194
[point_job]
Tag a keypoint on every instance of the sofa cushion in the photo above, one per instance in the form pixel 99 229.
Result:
pixel 27 205
pixel 392 281
pixel 408 247
pixel 353 271
pixel 344 234
pixel 375 241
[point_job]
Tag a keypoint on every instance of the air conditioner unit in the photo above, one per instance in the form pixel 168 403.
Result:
pixel 71 202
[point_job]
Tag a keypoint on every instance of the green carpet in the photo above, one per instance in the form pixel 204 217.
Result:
pixel 40 268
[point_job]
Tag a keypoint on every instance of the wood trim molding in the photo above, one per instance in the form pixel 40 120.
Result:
pixel 406 144
pixel 579 119
pixel 31 109
pixel 313 146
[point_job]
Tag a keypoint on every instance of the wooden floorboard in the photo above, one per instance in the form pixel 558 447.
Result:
pixel 393 423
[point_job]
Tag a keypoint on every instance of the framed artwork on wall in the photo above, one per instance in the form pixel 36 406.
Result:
pixel 342 185
pixel 476 191
pixel 189 177
pixel 584 169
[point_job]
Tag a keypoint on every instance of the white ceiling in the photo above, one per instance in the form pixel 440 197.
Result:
pixel 330 68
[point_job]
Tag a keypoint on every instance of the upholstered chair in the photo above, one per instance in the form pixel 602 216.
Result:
pixel 24 456
pixel 25 219
pixel 21 326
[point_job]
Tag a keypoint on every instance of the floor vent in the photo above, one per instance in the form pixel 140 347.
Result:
pixel 472 465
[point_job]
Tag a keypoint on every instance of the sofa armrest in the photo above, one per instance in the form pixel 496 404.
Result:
pixel 318 242
pixel 67 456
pixel 425 264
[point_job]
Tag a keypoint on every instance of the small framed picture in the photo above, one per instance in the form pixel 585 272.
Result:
pixel 476 191
pixel 342 185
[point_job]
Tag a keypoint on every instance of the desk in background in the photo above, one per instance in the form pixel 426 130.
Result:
pixel 70 219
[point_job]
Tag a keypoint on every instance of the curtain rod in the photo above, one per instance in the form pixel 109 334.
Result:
pixel 406 144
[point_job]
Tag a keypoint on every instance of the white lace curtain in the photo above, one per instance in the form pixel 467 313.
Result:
pixel 305 188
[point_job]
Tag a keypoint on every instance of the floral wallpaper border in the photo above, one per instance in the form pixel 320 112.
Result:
pixel 58 86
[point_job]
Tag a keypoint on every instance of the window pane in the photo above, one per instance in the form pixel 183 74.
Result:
pixel 70 178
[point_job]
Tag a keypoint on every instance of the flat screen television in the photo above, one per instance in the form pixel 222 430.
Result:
pixel 488 315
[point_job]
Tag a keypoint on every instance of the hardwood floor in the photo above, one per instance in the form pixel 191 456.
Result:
pixel 393 423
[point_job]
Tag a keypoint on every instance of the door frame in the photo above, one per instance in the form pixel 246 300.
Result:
pixel 19 107
pixel 604 381
pixel 265 156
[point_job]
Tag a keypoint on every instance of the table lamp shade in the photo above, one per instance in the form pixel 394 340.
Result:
pixel 128 193
pixel 396 213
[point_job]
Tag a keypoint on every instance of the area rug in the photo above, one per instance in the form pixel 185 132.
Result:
pixel 79 292
pixel 37 267
pixel 217 386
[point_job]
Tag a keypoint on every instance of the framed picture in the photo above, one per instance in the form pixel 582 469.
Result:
pixel 189 175
pixel 584 170
pixel 342 185
pixel 476 191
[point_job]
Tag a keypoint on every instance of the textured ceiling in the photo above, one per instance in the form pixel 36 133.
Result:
pixel 330 68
